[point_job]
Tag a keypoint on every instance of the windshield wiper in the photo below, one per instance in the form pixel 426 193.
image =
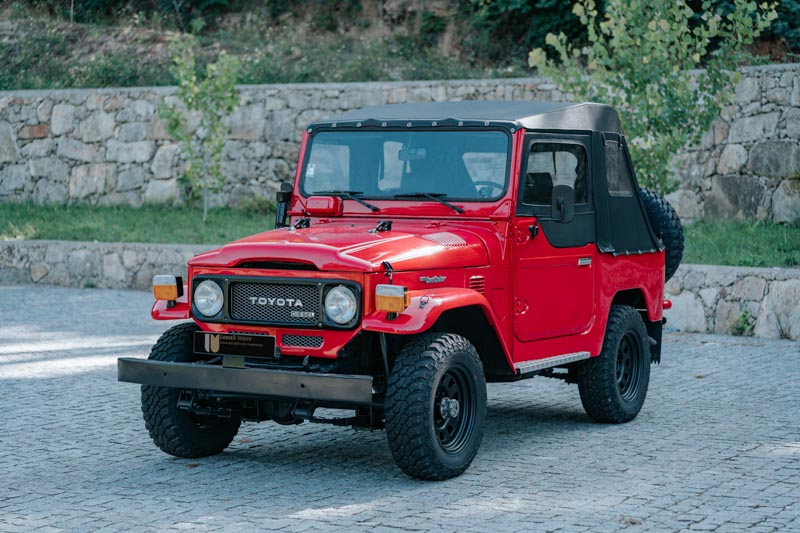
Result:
pixel 437 196
pixel 350 195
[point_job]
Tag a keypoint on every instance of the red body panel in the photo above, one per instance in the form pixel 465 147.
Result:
pixel 538 298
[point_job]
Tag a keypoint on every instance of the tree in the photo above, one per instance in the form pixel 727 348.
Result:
pixel 212 99
pixel 640 59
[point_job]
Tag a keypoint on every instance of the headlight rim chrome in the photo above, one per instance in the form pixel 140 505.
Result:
pixel 214 287
pixel 349 294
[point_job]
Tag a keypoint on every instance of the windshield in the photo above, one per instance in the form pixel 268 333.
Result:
pixel 457 165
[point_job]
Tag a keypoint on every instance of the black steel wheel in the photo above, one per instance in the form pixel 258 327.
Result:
pixel 435 406
pixel 613 385
pixel 176 431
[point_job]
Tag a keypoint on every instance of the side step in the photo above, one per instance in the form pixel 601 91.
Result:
pixel 540 364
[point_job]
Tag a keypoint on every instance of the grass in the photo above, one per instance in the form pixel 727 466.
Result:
pixel 150 223
pixel 754 244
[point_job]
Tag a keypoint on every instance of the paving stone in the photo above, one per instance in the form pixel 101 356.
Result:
pixel 693 459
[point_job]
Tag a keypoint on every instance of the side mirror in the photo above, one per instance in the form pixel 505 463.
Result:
pixel 562 208
pixel 283 199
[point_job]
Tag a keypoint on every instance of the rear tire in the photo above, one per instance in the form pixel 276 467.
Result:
pixel 668 227
pixel 176 431
pixel 613 385
pixel 435 406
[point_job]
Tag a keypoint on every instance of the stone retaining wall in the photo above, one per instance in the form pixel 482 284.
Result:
pixel 92 264
pixel 108 146
pixel 714 299
pixel 764 302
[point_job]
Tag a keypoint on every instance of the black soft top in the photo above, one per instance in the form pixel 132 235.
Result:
pixel 528 114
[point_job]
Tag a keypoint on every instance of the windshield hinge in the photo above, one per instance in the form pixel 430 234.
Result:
pixel 304 222
pixel 383 225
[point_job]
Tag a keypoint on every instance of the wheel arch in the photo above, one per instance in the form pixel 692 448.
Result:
pixel 636 298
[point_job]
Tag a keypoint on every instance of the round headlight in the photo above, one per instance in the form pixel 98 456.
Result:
pixel 208 298
pixel 340 305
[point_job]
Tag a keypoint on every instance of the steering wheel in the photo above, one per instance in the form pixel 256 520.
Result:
pixel 490 184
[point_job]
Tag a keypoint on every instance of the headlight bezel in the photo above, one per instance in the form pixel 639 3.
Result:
pixel 344 290
pixel 222 292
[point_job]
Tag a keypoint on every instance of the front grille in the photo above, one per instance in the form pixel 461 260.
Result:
pixel 275 303
pixel 303 341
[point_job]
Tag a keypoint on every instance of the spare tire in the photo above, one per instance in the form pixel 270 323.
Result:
pixel 668 228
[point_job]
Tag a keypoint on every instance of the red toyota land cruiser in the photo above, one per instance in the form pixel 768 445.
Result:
pixel 422 251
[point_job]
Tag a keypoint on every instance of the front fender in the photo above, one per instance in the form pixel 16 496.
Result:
pixel 426 306
pixel 180 311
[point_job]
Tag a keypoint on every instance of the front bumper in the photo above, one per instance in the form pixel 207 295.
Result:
pixel 345 388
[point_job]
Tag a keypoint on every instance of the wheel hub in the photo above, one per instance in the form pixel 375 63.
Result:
pixel 449 408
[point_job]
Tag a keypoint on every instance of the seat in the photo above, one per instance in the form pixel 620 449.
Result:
pixel 538 188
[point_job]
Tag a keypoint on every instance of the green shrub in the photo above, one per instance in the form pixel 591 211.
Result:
pixel 640 58
pixel 214 97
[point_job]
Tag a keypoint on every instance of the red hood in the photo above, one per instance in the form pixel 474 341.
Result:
pixel 349 246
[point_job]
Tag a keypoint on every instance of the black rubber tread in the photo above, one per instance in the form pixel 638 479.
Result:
pixel 409 406
pixel 174 430
pixel 668 227
pixel 597 381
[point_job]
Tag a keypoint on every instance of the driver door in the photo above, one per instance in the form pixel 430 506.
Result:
pixel 554 265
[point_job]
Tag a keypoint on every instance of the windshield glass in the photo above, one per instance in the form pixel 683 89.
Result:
pixel 459 165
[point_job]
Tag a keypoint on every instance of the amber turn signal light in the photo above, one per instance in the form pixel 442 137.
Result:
pixel 167 287
pixel 392 298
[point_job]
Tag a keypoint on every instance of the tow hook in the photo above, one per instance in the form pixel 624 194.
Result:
pixel 188 401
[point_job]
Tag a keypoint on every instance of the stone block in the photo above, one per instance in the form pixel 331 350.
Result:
pixel 732 159
pixel 747 90
pixel 779 315
pixel 62 118
pixel 13 178
pixel 38 271
pixel 753 128
pixel 37 131
pixel 687 313
pixel 87 180
pixel 43 110
pixel 71 149
pixel 161 191
pixel 49 192
pixel 130 179
pixel 786 202
pixel 709 296
pixel 49 167
pixel 132 131
pixel 113 269
pixel 8 145
pixel 134 152
pixel 686 204
pixel 98 126
pixel 726 317
pixel 749 288
pixel 165 160
pixel 737 197
pixel 775 159
pixel 38 148
pixel 247 123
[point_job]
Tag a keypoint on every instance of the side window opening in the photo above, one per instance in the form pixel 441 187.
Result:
pixel 617 174
pixel 551 164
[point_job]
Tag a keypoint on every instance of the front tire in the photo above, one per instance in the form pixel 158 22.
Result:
pixel 176 431
pixel 435 406
pixel 614 384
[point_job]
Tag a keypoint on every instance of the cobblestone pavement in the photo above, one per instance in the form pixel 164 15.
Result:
pixel 717 445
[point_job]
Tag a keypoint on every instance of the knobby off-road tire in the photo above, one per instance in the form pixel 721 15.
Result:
pixel 613 385
pixel 667 225
pixel 429 437
pixel 177 431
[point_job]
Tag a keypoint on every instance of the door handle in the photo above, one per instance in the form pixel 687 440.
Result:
pixel 533 229
pixel 584 261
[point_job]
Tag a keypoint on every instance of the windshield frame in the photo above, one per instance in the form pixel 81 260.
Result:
pixel 445 128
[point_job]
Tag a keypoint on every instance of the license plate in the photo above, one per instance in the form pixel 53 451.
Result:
pixel 234 344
